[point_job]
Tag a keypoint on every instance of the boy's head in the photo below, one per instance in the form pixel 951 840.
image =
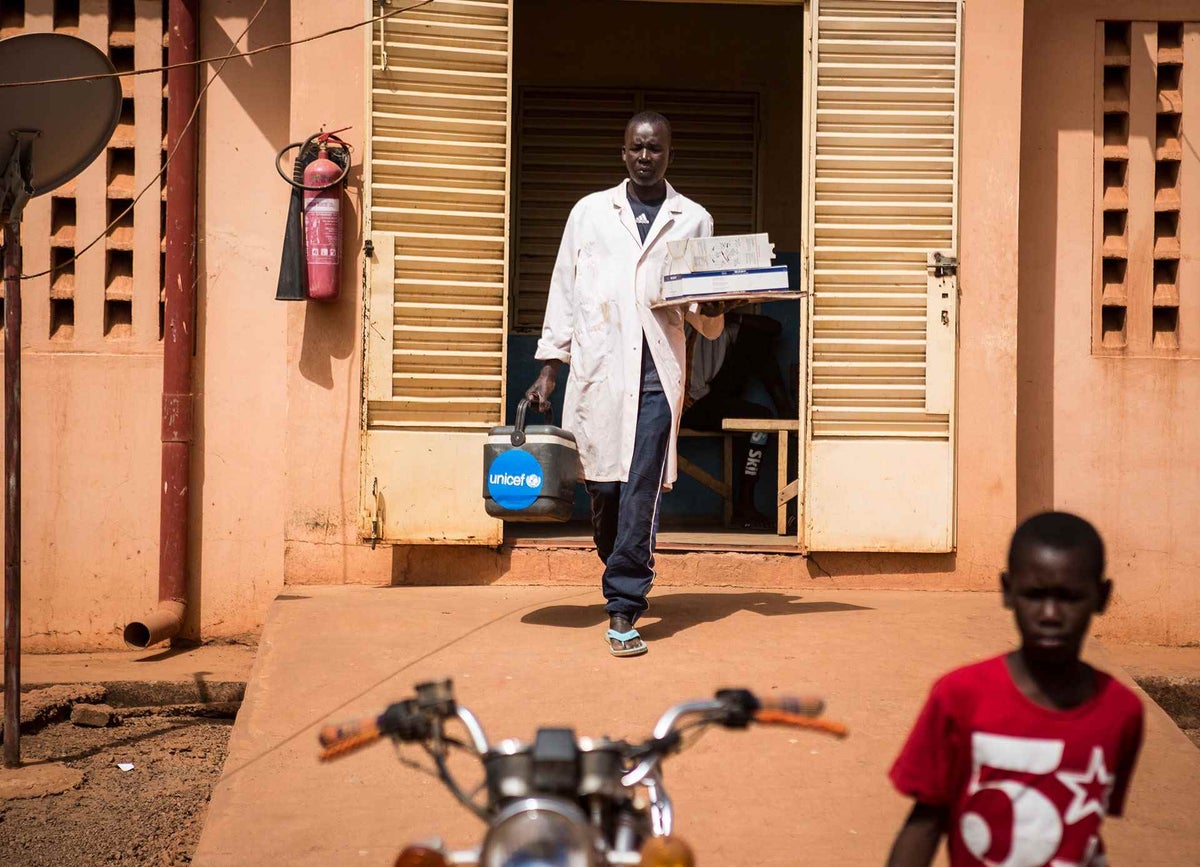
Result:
pixel 1055 583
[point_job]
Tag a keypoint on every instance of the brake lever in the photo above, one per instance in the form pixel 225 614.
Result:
pixel 652 751
pixel 666 723
pixel 653 746
pixel 666 735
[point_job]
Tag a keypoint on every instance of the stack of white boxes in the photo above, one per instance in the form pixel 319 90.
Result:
pixel 728 267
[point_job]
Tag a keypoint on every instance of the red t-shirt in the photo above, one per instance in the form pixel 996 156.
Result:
pixel 1027 786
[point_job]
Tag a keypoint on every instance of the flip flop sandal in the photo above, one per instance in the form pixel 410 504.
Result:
pixel 624 638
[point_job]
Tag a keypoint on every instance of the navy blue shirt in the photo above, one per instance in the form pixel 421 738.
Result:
pixel 644 214
pixel 650 380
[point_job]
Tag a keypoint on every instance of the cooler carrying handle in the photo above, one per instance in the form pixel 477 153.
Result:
pixel 517 437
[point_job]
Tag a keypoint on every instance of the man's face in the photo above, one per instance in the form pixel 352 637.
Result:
pixel 1053 595
pixel 647 153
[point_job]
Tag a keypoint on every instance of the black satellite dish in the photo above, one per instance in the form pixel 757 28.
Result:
pixel 69 122
pixel 49 133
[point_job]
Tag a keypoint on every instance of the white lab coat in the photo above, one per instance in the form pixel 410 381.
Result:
pixel 603 283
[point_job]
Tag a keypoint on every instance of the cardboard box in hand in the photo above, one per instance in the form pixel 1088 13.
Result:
pixel 724 267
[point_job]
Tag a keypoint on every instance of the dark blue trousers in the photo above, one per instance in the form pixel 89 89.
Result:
pixel 625 514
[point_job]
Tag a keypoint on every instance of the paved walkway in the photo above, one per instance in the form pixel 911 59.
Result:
pixel 523 657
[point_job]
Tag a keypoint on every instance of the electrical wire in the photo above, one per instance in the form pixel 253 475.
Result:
pixel 233 52
pixel 273 47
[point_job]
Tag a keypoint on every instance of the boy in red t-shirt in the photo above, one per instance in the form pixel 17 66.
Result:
pixel 1019 758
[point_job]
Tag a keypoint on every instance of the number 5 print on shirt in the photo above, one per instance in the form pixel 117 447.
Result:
pixel 1032 823
pixel 1036 830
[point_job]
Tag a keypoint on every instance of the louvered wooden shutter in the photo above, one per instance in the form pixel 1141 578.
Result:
pixel 569 145
pixel 439 170
pixel 436 309
pixel 883 186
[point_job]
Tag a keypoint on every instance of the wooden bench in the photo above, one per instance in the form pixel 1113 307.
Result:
pixel 722 487
pixel 786 491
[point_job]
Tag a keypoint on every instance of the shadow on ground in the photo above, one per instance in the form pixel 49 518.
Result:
pixel 675 612
pixel 117 743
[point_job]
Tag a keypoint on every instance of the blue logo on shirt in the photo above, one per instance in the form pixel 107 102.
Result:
pixel 515 479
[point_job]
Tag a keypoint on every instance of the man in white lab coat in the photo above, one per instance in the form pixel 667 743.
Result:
pixel 625 390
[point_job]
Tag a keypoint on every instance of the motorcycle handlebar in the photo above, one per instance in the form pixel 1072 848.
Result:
pixel 340 740
pixel 801 705
pixel 801 721
pixel 733 708
pixel 738 707
pixel 404 720
pixel 410 720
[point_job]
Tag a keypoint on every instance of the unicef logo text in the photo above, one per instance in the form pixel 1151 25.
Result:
pixel 528 480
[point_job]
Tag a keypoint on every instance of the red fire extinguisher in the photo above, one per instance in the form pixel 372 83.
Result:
pixel 320 215
pixel 323 225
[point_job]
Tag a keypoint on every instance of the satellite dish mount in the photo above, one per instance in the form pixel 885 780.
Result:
pixel 18 176
pixel 68 124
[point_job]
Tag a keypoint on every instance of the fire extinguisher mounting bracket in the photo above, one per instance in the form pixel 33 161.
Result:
pixel 338 151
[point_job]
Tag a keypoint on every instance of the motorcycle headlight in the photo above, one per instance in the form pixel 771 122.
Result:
pixel 667 852
pixel 539 832
pixel 420 856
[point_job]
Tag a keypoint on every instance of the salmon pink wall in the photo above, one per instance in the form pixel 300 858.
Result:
pixel 1112 438
pixel 238 469
pixel 92 409
pixel 324 348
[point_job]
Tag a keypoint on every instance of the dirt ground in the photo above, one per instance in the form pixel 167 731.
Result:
pixel 150 815
pixel 1180 698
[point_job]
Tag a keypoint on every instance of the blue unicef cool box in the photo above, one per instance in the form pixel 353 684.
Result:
pixel 529 472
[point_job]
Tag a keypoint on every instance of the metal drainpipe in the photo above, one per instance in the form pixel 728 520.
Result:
pixel 12 492
pixel 178 338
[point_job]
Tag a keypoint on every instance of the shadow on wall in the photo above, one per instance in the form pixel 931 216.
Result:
pixel 427 565
pixel 672 613
pixel 330 328
pixel 1037 260
pixel 260 87
pixel 244 76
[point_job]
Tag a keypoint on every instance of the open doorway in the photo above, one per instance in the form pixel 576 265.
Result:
pixel 730 77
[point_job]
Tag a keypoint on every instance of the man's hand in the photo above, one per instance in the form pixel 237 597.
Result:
pixel 539 393
pixel 717 308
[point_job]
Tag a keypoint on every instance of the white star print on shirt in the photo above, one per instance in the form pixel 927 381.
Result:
pixel 1089 790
